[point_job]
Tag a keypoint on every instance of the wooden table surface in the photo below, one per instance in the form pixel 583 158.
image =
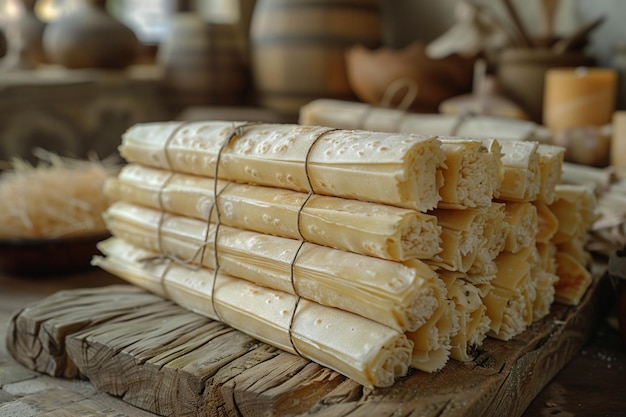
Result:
pixel 592 384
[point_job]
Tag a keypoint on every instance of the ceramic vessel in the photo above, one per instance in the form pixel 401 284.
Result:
pixel 374 73
pixel 89 37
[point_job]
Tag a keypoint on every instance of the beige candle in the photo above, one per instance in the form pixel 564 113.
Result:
pixel 575 97
pixel 618 140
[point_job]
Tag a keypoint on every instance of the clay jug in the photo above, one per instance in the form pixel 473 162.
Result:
pixel 89 37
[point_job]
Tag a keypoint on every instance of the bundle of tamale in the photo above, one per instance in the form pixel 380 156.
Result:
pixel 369 353
pixel 329 219
pixel 363 227
pixel 356 115
pixel 517 233
pixel 394 169
pixel 432 243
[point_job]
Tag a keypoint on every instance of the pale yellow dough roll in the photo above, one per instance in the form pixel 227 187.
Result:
pixel 367 352
pixel 373 229
pixel 399 295
pixel 390 168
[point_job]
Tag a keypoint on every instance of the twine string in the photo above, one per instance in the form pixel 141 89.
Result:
pixel 236 131
pixel 460 121
pixel 402 108
pixel 302 239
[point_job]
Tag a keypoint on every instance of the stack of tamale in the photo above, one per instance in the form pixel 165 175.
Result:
pixel 307 238
pixel 367 252
pixel 507 258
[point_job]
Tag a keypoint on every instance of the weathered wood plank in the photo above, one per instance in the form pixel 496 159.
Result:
pixel 163 358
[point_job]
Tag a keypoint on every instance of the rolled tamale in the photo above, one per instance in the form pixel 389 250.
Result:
pixel 551 160
pixel 471 173
pixel 400 295
pixel 390 168
pixel 461 237
pixel 372 229
pixel 367 352
pixel 471 312
pixel 355 115
pixel 522 225
pixel 522 172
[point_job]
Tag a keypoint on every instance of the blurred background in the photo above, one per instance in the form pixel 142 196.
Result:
pixel 74 74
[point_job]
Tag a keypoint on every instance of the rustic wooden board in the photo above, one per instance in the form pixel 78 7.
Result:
pixel 160 357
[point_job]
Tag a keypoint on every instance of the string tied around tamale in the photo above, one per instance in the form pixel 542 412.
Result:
pixel 460 121
pixel 386 102
pixel 236 131
pixel 162 256
pixel 302 238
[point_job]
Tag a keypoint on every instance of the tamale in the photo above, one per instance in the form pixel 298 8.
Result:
pixel 574 279
pixel 522 226
pixel 390 168
pixel 471 312
pixel 551 160
pixel 513 268
pixel 433 340
pixel 547 222
pixel 372 229
pixel 544 283
pixel 367 352
pixel 461 237
pixel 522 174
pixel 399 295
pixel 356 115
pixel 507 311
pixel 495 229
pixel 483 269
pixel 471 173
pixel 575 207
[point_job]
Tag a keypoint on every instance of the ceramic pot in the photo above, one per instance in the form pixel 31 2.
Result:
pixel 374 73
pixel 89 37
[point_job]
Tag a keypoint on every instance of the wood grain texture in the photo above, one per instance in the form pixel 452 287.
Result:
pixel 160 357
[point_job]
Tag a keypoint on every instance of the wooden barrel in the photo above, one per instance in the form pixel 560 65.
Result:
pixel 298 48
pixel 202 64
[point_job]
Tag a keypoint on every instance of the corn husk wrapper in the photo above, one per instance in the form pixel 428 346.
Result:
pixel 395 169
pixel 510 296
pixel 367 352
pixel 366 228
pixel 399 295
pixel 547 222
pixel 575 207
